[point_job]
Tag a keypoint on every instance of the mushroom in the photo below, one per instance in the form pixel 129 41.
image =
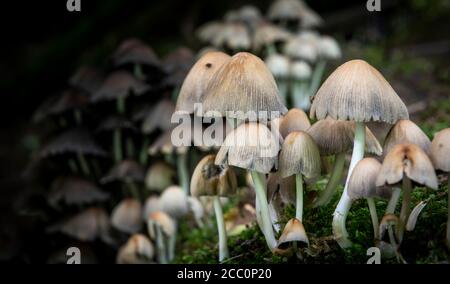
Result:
pixel 406 163
pixel 151 205
pixel 87 79
pixel 335 137
pixel 295 120
pixel 208 31
pixel 159 176
pixel 299 156
pixel 241 89
pixel 127 216
pixel 128 172
pixel 162 229
pixel 137 250
pixel 209 179
pixel 300 73
pixel 73 190
pixel 293 232
pixel 279 65
pixel 362 185
pixel 328 49
pixel 294 10
pixel 390 223
pixel 267 36
pixel 357 92
pixel 440 155
pixel 253 147
pixel 174 202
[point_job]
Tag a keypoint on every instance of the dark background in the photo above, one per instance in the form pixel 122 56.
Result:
pixel 43 44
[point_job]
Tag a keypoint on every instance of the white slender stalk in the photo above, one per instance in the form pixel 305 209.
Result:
pixel 299 197
pixel 172 244
pixel 162 257
pixel 300 95
pixel 392 204
pixel 317 76
pixel 374 217
pixel 117 144
pixel 340 213
pixel 260 190
pixel 183 172
pixel 283 90
pixel 406 206
pixel 223 247
pixel 333 182
pixel 448 209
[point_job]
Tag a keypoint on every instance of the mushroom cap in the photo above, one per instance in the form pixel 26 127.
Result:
pixel 249 14
pixel 299 155
pixel 295 120
pixel 87 225
pixel 234 36
pixel 300 70
pixel 194 86
pixel 162 219
pixel 250 146
pixel 134 51
pixel 329 48
pixel 293 232
pixel 279 65
pixel 119 84
pixel 75 190
pixel 209 31
pixel 357 91
pixel 210 179
pixel 174 202
pixel 114 122
pixel 180 59
pixel 266 34
pixel 137 250
pixel 72 141
pixel 301 48
pixel 241 88
pixel 294 10
pixel 159 176
pixel 407 160
pixel 127 216
pixel 362 182
pixel 440 150
pixel 125 171
pixel 87 78
pixel 159 117
pixel 406 131
pixel 151 205
pixel 336 136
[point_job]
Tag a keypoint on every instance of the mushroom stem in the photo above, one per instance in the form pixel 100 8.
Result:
pixel 390 209
pixel 162 252
pixel 143 156
pixel 333 182
pixel 83 164
pixel 172 244
pixel 448 209
pixel 260 190
pixel 223 247
pixel 138 72
pixel 299 197
pixel 271 49
pixel 374 217
pixel 183 172
pixel 121 105
pixel 300 95
pixel 117 144
pixel 73 166
pixel 283 90
pixel 130 147
pixel 134 190
pixel 406 209
pixel 340 213
pixel 317 76
pixel 77 116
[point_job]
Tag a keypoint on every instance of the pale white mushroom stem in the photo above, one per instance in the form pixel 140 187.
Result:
pixel 335 179
pixel 300 94
pixel 406 209
pixel 340 213
pixel 162 251
pixel 299 197
pixel 392 204
pixel 260 190
pixel 117 142
pixel 223 247
pixel 448 209
pixel 183 172
pixel 374 217
pixel 316 78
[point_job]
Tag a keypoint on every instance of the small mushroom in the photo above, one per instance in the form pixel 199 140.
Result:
pixel 279 65
pixel 267 35
pixel 294 10
pixel 293 232
pixel 406 131
pixel 162 229
pixel 300 73
pixel 159 176
pixel 127 216
pixel 137 250
pixel 129 172
pixel 174 202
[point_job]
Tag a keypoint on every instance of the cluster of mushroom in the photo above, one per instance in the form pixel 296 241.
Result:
pixel 294 52
pixel 281 150
pixel 96 158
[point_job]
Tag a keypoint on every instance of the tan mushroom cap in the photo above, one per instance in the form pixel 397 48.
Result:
pixel 293 232
pixel 284 185
pixel 357 91
pixel 362 182
pixel 336 136
pixel 295 120
pixel 250 146
pixel 266 34
pixel 241 88
pixel 159 117
pixel 159 176
pixel 406 131
pixel 125 171
pixel 194 86
pixel 151 205
pixel 409 160
pixel 174 202
pixel 299 155
pixel 209 179
pixel 162 219
pixel 440 150
pixel 137 250
pixel 126 216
